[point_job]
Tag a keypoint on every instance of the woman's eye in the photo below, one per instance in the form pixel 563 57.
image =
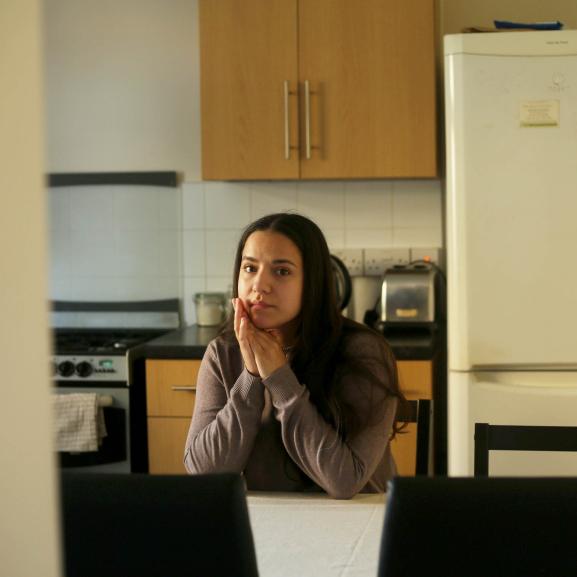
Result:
pixel 249 268
pixel 282 271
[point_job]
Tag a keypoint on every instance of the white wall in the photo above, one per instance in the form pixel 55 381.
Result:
pixel 28 517
pixel 119 85
pixel 352 214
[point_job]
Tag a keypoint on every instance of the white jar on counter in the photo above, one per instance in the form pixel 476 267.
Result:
pixel 210 309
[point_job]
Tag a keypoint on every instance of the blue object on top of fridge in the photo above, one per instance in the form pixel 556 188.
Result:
pixel 508 25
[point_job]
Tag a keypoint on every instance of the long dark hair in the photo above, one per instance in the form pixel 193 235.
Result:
pixel 318 356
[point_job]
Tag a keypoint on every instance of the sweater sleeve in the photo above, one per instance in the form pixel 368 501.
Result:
pixel 226 419
pixel 342 467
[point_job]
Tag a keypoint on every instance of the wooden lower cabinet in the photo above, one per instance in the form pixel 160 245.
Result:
pixel 416 382
pixel 166 438
pixel 170 396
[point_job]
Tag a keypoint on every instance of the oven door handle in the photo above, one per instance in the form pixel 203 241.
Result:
pixel 193 388
pixel 105 401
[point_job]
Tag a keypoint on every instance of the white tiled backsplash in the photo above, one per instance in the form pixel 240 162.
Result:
pixel 359 214
pixel 113 243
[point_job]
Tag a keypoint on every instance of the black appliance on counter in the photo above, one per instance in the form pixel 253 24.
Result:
pixel 92 344
pixel 343 282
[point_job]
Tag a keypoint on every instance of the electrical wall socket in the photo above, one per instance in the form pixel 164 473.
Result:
pixel 352 258
pixel 430 254
pixel 378 260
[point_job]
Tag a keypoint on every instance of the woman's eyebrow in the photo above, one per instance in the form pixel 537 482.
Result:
pixel 283 261
pixel 275 261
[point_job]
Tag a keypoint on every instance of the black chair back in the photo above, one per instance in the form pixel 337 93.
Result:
pixel 479 527
pixel 156 526
pixel 519 438
pixel 419 411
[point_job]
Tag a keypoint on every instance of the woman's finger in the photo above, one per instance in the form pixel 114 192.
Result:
pixel 236 316
pixel 266 337
pixel 239 313
pixel 268 353
pixel 244 340
pixel 264 344
pixel 276 334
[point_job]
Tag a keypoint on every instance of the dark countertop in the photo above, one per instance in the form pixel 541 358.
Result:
pixel 190 343
pixel 185 343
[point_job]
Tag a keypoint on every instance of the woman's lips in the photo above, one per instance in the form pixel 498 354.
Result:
pixel 259 306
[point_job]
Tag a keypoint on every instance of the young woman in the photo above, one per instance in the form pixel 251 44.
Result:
pixel 292 394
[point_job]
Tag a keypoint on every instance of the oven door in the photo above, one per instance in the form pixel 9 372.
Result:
pixel 113 455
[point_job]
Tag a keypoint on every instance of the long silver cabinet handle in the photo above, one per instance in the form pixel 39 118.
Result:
pixel 287 143
pixel 307 120
pixel 193 388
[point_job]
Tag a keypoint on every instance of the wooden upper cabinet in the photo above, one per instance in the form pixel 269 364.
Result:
pixel 370 70
pixel 248 52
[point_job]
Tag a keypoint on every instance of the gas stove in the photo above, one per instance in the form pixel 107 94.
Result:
pixel 92 348
pixel 96 354
pixel 91 340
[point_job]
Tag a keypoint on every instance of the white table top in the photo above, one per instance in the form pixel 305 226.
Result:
pixel 312 535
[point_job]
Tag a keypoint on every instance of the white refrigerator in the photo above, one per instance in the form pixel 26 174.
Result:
pixel 511 138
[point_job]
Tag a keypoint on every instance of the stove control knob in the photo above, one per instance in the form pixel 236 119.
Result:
pixel 84 369
pixel 66 368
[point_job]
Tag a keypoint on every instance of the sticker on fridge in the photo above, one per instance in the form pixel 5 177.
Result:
pixel 539 113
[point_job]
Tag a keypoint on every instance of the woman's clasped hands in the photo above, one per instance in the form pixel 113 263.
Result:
pixel 261 349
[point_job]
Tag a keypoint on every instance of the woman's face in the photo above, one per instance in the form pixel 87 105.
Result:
pixel 270 281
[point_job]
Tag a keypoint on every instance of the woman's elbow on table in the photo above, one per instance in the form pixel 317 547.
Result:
pixel 189 463
pixel 342 495
pixel 204 464
pixel 196 466
pixel 343 491
pixel 348 479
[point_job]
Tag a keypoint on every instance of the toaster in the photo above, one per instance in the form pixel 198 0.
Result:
pixel 408 294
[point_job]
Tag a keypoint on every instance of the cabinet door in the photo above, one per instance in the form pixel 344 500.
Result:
pixel 170 395
pixel 248 51
pixel 166 439
pixel 371 70
pixel 170 387
pixel 416 379
pixel 416 382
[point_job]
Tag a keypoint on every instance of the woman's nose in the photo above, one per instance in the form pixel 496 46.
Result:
pixel 261 283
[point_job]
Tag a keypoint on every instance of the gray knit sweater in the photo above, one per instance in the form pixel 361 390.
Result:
pixel 270 431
